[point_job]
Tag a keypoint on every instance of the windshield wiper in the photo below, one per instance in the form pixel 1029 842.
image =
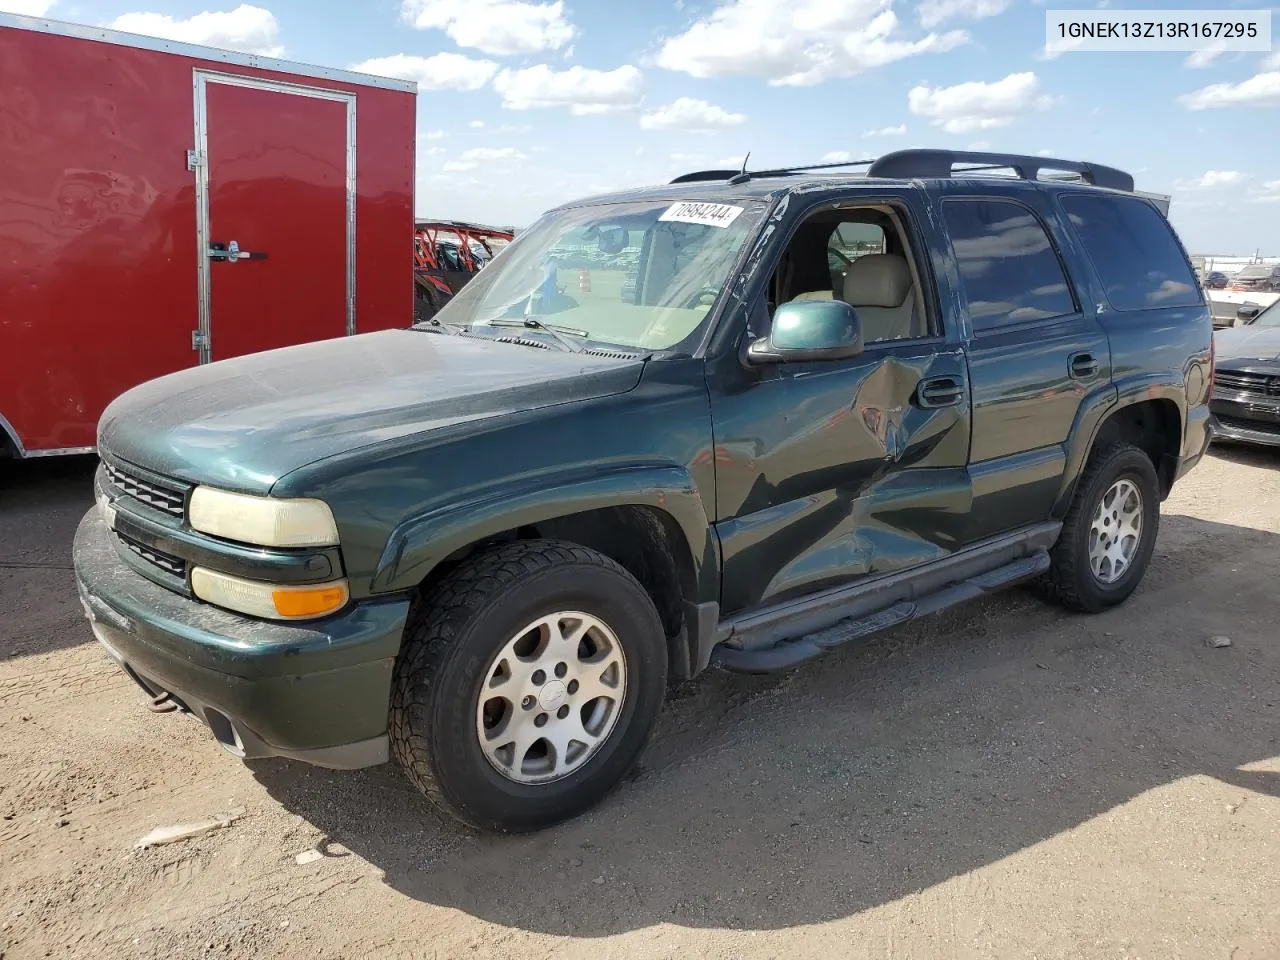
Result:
pixel 432 325
pixel 556 330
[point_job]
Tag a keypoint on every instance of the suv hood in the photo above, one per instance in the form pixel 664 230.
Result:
pixel 1247 343
pixel 242 424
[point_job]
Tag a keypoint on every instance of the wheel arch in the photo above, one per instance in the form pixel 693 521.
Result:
pixel 1149 413
pixel 650 520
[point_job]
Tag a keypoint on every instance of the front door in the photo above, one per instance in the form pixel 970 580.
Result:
pixel 834 470
pixel 276 214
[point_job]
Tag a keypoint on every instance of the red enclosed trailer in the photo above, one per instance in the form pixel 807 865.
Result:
pixel 163 205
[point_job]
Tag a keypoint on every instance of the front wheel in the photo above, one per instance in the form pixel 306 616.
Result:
pixel 529 681
pixel 1109 532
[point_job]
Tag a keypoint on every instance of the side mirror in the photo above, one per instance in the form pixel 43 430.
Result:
pixel 1248 312
pixel 809 330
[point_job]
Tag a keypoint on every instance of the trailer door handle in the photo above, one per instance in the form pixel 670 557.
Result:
pixel 231 252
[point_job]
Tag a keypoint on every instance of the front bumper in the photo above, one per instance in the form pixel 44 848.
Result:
pixel 1247 419
pixel 316 692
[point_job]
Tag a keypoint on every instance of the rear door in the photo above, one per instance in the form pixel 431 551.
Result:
pixel 276 214
pixel 1036 350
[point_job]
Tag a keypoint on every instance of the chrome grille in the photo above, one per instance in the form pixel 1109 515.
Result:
pixel 161 498
pixel 166 562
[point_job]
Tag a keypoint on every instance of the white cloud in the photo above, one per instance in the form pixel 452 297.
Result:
pixel 500 27
pixel 432 152
pixel 476 124
pixel 1044 152
pixel 1270 192
pixel 836 156
pixel 796 43
pixel 1214 178
pixel 442 71
pixel 435 135
pixel 897 131
pixel 27 8
pixel 1260 90
pixel 487 154
pixel 582 90
pixel 246 28
pixel 980 146
pixel 1204 57
pixel 967 107
pixel 734 161
pixel 696 116
pixel 1271 61
pixel 458 166
pixel 934 12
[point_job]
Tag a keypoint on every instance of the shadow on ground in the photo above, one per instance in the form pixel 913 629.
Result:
pixel 41 503
pixel 877 772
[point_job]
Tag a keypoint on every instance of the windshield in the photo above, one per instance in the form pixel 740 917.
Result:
pixel 1269 317
pixel 640 274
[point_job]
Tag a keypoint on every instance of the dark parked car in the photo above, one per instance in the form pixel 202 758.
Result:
pixel 1257 277
pixel 484 546
pixel 1246 383
pixel 1216 280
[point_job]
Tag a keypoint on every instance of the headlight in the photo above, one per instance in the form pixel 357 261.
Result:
pixel 269 600
pixel 262 521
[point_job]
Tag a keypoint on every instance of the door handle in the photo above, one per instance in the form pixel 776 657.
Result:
pixel 939 392
pixel 1083 366
pixel 231 252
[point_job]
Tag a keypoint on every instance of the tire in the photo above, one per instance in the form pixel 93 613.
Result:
pixel 459 640
pixel 1072 580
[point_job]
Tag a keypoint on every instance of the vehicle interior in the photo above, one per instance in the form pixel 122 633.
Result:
pixel 859 255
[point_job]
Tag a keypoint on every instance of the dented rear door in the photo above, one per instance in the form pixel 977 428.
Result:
pixel 833 471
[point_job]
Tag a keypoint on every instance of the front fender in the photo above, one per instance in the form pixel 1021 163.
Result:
pixel 417 546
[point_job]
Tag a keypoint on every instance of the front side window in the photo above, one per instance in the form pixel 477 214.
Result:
pixel 1008 266
pixel 642 274
pixel 1134 251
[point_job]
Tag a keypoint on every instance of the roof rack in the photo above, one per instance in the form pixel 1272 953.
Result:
pixel 933 164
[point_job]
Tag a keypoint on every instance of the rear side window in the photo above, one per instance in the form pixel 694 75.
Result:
pixel 1008 267
pixel 1134 251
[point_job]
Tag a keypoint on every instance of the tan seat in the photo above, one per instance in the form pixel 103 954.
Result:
pixel 814 295
pixel 879 288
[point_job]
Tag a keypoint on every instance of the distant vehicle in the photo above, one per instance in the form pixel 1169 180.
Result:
pixel 1216 280
pixel 164 206
pixel 1258 277
pixel 446 255
pixel 1246 385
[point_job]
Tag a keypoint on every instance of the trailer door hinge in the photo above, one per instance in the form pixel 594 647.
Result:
pixel 195 159
pixel 198 340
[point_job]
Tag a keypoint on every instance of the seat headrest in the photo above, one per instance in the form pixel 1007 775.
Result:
pixel 877 280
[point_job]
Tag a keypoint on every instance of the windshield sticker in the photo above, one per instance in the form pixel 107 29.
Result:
pixel 707 214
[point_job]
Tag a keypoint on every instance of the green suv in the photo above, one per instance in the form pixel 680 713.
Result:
pixel 738 419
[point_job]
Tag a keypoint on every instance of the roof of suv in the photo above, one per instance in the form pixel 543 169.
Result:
pixel 895 169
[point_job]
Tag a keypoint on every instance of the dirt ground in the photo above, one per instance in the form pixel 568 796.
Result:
pixel 1003 781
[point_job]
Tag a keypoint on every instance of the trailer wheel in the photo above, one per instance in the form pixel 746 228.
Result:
pixel 528 683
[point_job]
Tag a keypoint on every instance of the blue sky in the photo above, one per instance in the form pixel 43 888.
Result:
pixel 524 104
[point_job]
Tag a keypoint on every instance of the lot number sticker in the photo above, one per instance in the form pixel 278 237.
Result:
pixel 707 214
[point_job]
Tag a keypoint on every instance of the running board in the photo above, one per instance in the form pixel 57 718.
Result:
pixel 791 652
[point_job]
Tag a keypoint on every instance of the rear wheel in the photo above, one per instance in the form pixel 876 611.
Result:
pixel 529 682
pixel 1109 532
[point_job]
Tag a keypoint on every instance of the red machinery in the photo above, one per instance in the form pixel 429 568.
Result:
pixel 163 205
pixel 447 254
